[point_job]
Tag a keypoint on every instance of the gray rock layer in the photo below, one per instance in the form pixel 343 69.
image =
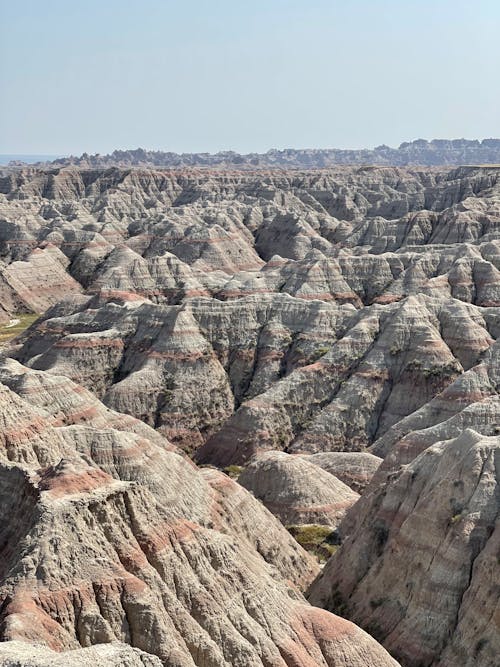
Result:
pixel 118 539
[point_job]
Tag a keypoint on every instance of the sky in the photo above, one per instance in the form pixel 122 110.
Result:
pixel 245 75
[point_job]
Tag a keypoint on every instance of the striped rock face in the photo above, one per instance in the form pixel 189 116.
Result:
pixel 296 491
pixel 327 336
pixel 349 235
pixel 119 540
pixel 237 312
pixel 420 566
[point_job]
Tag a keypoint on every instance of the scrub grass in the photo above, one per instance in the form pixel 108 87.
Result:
pixel 321 541
pixel 7 332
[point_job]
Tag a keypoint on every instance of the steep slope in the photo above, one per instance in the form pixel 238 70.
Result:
pixel 119 538
pixel 355 469
pixel 471 401
pixel 302 324
pixel 48 417
pixel 303 376
pixel 418 569
pixel 295 490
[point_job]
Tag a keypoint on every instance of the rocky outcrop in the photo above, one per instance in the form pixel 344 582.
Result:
pixel 119 538
pixel 296 491
pixel 346 234
pixel 37 283
pixel 389 362
pixel 355 469
pixel 305 376
pixel 20 654
pixel 418 568
pixel 303 324
pixel 47 418
pixel 471 401
pixel 435 152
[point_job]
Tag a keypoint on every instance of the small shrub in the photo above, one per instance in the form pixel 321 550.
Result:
pixel 321 541
pixel 317 354
pixel 479 646
pixel 381 535
pixel 168 396
pixel 337 604
pixel 282 439
pixel 233 471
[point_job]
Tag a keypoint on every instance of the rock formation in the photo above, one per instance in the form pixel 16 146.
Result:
pixel 419 568
pixel 435 152
pixel 296 491
pixel 355 469
pixel 20 654
pixel 118 538
pixel 327 333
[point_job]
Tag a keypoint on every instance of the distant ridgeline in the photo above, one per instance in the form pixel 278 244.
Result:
pixel 419 153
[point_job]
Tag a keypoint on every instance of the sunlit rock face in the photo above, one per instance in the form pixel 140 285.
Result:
pixel 235 312
pixel 296 491
pixel 327 337
pixel 118 539
pixel 419 569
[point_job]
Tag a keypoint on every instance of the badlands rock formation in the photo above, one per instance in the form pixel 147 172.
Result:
pixel 435 152
pixel 20 654
pixel 355 469
pixel 296 491
pixel 420 568
pixel 118 538
pixel 332 331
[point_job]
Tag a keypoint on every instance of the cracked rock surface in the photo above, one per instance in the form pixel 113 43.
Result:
pixel 327 337
pixel 119 539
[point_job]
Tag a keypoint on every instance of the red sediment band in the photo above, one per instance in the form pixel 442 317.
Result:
pixel 62 484
pixel 166 536
pixel 178 356
pixel 25 431
pixel 388 298
pixel 85 414
pixel 124 295
pixel 310 627
pixel 85 343
pixel 196 292
pixel 313 368
pixel 24 620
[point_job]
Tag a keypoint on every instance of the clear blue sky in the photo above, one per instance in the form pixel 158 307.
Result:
pixel 248 75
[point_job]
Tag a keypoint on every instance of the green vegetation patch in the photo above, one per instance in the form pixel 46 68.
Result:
pixel 318 353
pixel 233 471
pixel 321 541
pixel 8 331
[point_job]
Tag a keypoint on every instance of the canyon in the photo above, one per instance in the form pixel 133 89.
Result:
pixel 254 418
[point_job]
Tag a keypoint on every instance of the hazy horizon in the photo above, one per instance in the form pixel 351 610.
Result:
pixel 207 77
pixel 5 158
